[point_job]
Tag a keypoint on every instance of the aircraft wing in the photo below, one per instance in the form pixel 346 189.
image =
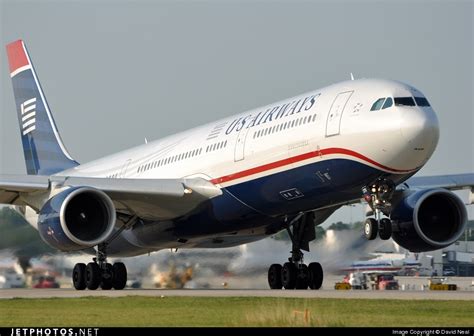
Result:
pixel 451 182
pixel 155 199
pixel 12 185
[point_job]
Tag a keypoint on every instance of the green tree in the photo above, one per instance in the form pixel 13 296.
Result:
pixel 339 226
pixel 20 237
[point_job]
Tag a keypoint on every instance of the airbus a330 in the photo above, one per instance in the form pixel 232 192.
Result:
pixel 285 166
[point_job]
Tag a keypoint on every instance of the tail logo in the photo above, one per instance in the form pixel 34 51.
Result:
pixel 28 115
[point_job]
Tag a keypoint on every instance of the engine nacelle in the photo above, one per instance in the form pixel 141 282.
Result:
pixel 76 218
pixel 428 220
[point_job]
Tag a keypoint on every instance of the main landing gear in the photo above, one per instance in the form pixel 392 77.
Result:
pixel 378 197
pixel 294 274
pixel 99 273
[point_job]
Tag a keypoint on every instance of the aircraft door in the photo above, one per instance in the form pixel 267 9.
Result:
pixel 333 123
pixel 125 168
pixel 239 152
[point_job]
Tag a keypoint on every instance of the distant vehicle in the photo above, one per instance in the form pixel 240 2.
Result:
pixel 358 280
pixel 441 283
pixel 46 282
pixel 449 272
pixel 384 282
pixel 11 279
pixel 133 283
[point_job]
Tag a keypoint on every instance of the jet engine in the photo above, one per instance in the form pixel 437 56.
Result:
pixel 428 220
pixel 76 219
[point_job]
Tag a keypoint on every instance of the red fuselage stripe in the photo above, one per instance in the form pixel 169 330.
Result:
pixel 302 157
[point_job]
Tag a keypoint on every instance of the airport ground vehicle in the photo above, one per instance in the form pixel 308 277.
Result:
pixel 342 286
pixel 46 281
pixel 441 283
pixel 384 282
pixel 11 279
pixel 358 280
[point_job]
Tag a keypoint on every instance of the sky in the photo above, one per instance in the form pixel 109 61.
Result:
pixel 116 72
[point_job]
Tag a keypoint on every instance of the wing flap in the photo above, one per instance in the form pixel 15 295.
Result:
pixel 23 183
pixel 12 185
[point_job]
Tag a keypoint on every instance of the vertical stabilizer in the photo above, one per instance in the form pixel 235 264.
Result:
pixel 43 148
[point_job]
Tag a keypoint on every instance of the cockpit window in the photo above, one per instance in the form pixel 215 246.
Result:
pixel 422 101
pixel 404 101
pixel 388 103
pixel 378 104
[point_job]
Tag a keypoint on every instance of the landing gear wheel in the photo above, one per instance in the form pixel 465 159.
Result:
pixel 79 276
pixel 274 276
pixel 315 275
pixel 120 276
pixel 302 277
pixel 107 277
pixel 93 276
pixel 370 229
pixel 288 275
pixel 385 229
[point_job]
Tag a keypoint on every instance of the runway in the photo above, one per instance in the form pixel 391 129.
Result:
pixel 309 294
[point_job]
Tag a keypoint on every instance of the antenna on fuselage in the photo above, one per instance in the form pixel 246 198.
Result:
pixel 352 76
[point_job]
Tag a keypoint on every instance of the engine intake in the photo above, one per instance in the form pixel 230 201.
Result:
pixel 77 218
pixel 428 220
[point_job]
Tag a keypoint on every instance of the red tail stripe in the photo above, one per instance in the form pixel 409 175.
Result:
pixel 16 55
pixel 302 157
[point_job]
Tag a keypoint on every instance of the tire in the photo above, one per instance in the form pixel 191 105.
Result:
pixel 288 275
pixel 316 275
pixel 302 277
pixel 79 276
pixel 370 229
pixel 385 229
pixel 107 277
pixel 120 276
pixel 93 276
pixel 274 276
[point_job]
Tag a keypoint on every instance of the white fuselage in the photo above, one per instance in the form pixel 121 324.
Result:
pixel 309 152
pixel 398 139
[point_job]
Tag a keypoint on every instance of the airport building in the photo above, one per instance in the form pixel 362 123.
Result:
pixel 457 259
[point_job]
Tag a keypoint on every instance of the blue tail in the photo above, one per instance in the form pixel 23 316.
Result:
pixel 43 148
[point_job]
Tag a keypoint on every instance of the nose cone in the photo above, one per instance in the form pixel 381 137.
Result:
pixel 420 129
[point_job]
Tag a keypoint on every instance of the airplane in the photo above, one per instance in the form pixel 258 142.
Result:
pixel 285 166
pixel 400 265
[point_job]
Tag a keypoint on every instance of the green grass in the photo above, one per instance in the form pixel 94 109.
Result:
pixel 233 311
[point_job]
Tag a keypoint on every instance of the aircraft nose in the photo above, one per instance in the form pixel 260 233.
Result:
pixel 420 128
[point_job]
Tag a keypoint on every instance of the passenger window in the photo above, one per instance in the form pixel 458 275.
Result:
pixel 377 105
pixel 422 101
pixel 404 101
pixel 388 103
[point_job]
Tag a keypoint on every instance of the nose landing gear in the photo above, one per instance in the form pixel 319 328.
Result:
pixel 294 274
pixel 378 197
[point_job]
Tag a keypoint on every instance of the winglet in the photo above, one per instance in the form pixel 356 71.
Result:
pixel 352 76
pixel 17 57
